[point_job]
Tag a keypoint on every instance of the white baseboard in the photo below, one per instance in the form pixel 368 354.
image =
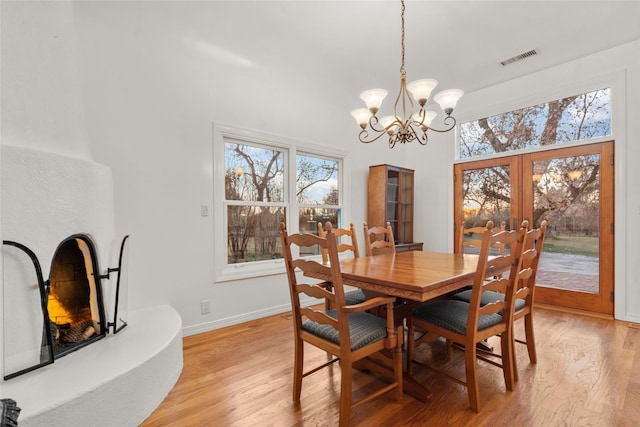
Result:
pixel 234 320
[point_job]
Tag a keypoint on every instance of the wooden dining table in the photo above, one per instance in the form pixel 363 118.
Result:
pixel 414 278
pixel 415 275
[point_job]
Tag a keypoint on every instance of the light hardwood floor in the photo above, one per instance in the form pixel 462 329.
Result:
pixel 588 374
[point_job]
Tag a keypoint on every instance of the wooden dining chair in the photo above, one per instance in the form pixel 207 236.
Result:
pixel 351 245
pixel 474 245
pixel 355 296
pixel 476 238
pixel 525 290
pixel 379 240
pixel 348 332
pixel 467 324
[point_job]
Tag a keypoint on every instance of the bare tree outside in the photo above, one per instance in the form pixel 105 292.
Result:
pixel 570 119
pixel 564 187
pixel 255 192
pixel 317 192
pixel 255 179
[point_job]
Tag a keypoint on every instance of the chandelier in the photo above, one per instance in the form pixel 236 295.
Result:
pixel 406 124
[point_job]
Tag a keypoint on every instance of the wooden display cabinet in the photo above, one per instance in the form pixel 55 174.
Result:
pixel 390 199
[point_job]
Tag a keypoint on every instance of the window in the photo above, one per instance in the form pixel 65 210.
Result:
pixel 575 118
pixel 269 180
pixel 317 192
pixel 254 196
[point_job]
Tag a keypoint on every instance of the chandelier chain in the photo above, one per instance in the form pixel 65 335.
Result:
pixel 402 70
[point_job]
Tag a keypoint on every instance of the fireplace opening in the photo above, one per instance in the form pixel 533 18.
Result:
pixel 74 300
pixel 44 320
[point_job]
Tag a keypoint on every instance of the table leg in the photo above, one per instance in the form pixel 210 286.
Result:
pixel 380 364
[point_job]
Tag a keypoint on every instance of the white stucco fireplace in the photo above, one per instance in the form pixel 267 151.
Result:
pixel 120 378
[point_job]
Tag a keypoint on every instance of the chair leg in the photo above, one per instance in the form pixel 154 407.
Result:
pixel 327 307
pixel 514 356
pixel 531 341
pixel 411 345
pixel 345 393
pixel 297 369
pixel 397 367
pixel 507 346
pixel 472 376
pixel 449 345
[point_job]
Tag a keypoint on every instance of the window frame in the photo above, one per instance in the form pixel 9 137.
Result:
pixel 338 207
pixel 613 82
pixel 616 81
pixel 223 271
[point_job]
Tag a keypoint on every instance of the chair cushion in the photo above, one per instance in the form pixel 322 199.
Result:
pixel 365 328
pixel 487 298
pixel 354 297
pixel 452 315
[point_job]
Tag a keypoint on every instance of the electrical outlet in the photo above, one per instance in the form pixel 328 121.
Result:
pixel 205 307
pixel 204 210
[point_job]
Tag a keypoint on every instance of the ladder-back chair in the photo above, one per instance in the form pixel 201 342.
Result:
pixel 525 289
pixel 467 324
pixel 379 240
pixel 355 296
pixel 347 332
pixel 476 238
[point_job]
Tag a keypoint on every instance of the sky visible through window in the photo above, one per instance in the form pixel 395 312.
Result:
pixel 575 118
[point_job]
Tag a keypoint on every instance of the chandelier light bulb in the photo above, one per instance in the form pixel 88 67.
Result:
pixel 421 89
pixel 428 116
pixel 386 121
pixel 373 98
pixel 448 99
pixel 362 116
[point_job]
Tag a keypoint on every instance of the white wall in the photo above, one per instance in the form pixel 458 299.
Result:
pixel 151 101
pixel 148 104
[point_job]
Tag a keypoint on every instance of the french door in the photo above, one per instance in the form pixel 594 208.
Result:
pixel 572 188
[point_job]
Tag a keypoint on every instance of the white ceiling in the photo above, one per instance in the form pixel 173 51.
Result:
pixel 335 49
pixel 355 45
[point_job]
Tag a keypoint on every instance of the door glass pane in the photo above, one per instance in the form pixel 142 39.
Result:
pixel 567 194
pixel 486 197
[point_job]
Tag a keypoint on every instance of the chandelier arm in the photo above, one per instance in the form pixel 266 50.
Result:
pixel 364 134
pixel 404 95
pixel 446 121
pixel 373 121
pixel 411 134
pixel 424 139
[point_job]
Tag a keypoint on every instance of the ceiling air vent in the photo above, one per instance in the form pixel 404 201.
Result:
pixel 518 57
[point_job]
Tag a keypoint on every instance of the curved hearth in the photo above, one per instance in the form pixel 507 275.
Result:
pixel 117 381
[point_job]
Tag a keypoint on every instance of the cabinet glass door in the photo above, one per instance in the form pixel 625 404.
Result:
pixel 393 201
pixel 405 219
